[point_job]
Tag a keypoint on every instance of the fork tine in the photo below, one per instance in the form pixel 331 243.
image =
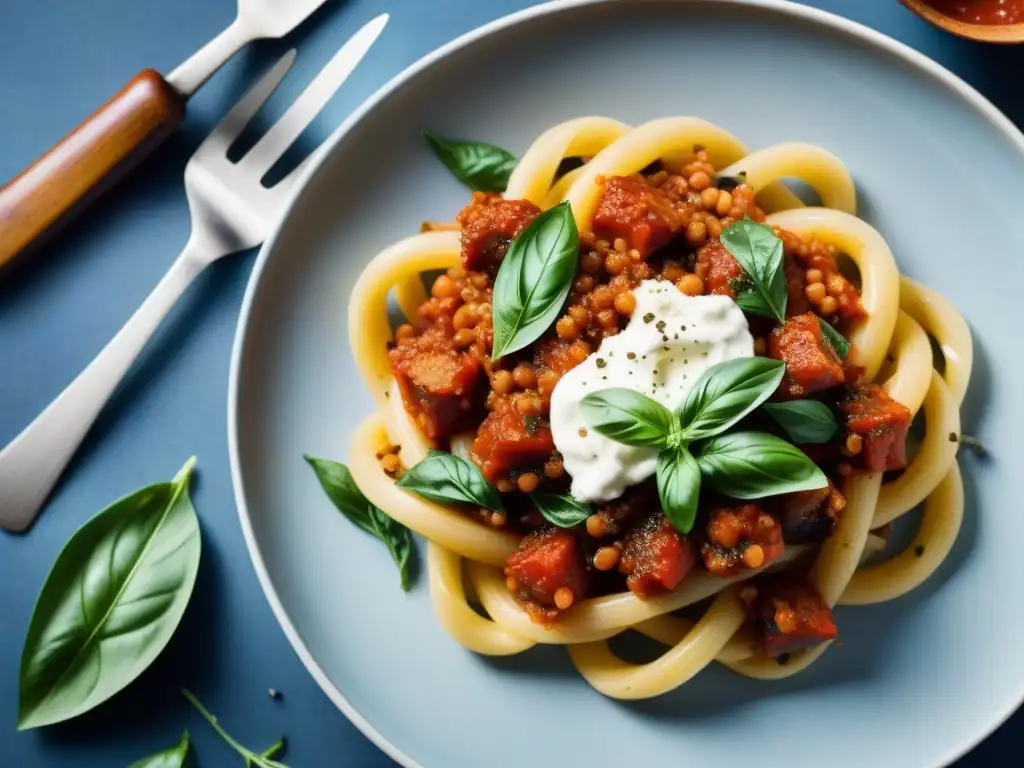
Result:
pixel 286 130
pixel 239 116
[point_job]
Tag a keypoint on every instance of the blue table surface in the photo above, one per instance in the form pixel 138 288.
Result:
pixel 59 59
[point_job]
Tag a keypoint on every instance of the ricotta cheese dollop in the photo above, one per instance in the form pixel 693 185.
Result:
pixel 670 341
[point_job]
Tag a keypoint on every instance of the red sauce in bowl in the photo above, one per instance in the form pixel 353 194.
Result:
pixel 991 12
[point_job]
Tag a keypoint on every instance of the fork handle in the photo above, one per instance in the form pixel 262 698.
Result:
pixel 33 462
pixel 98 152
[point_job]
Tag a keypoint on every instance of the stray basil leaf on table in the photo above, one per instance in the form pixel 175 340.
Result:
pixel 172 757
pixel 111 602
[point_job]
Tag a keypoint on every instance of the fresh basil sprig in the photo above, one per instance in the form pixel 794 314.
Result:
pixel 805 421
pixel 751 465
pixel 341 489
pixel 479 166
pixel 629 417
pixel 172 757
pixel 111 602
pixel 741 465
pixel 561 511
pixel 759 252
pixel 534 279
pixel 678 477
pixel 727 392
pixel 446 479
pixel 264 759
pixel 835 338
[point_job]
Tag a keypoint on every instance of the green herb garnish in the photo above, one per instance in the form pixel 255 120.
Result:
pixel 446 478
pixel 341 489
pixel 264 759
pixel 562 511
pixel 479 166
pixel 534 279
pixel 759 252
pixel 837 341
pixel 691 442
pixel 805 421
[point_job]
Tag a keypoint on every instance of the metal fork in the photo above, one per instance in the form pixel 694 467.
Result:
pixel 231 211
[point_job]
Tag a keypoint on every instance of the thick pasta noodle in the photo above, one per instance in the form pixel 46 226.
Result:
pixel 465 557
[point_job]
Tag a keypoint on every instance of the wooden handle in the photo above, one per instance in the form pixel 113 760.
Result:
pixel 101 150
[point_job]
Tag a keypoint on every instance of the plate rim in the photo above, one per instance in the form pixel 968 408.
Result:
pixel 874 38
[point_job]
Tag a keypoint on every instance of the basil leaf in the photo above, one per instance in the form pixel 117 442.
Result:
pixel 111 602
pixel 678 479
pixel 835 338
pixel 752 465
pixel 341 489
pixel 533 280
pixel 447 479
pixel 261 760
pixel 629 417
pixel 759 252
pixel 479 166
pixel 563 511
pixel 173 757
pixel 805 421
pixel 727 392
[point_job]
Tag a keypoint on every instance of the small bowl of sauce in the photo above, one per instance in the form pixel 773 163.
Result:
pixel 994 21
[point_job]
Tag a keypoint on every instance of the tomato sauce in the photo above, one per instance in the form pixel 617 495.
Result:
pixel 991 12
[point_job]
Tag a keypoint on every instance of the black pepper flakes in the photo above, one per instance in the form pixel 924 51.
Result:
pixel 782 659
pixel 601 362
pixel 919 550
pixel 953 438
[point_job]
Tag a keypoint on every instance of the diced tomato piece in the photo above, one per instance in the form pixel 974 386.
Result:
pixel 791 616
pixel 547 561
pixel 741 537
pixel 438 382
pixel 809 516
pixel 644 216
pixel 882 424
pixel 489 225
pixel 656 557
pixel 811 363
pixel 507 439
pixel 718 269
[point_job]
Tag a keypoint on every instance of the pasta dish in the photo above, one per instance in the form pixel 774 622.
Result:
pixel 642 386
